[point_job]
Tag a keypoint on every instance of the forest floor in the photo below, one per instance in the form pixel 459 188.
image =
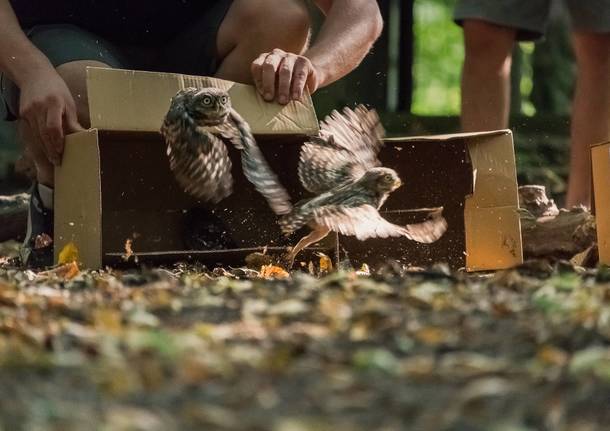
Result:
pixel 183 348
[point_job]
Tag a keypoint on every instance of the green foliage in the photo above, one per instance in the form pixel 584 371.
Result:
pixel 439 53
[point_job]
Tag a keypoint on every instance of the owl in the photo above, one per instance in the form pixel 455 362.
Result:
pixel 341 167
pixel 195 127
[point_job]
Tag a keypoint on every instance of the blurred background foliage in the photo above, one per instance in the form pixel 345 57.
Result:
pixel 543 72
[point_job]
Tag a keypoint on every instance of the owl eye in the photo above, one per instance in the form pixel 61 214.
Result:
pixel 207 101
pixel 388 177
pixel 224 100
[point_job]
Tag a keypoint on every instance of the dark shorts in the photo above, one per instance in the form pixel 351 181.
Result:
pixel 191 51
pixel 530 17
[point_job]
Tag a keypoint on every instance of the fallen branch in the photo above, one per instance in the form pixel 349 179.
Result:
pixel 551 233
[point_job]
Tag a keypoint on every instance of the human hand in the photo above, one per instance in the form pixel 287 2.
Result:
pixel 49 109
pixel 283 76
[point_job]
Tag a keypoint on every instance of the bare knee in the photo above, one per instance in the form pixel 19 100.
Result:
pixel 488 48
pixel 74 74
pixel 286 27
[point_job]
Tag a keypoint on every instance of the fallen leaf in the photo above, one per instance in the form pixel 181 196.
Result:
pixel 326 265
pixel 67 271
pixel 68 254
pixel 129 251
pixel 257 260
pixel 551 355
pixel 272 271
pixel 43 240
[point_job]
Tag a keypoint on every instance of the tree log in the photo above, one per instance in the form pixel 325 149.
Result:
pixel 551 233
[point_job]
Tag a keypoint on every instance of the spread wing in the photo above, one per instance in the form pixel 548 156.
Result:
pixel 255 167
pixel 347 146
pixel 198 159
pixel 364 221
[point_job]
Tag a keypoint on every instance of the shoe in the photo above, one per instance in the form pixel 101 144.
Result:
pixel 37 248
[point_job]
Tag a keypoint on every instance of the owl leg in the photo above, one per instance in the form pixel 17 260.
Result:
pixel 314 236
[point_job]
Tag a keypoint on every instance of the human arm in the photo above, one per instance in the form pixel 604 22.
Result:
pixel 45 102
pixel 348 32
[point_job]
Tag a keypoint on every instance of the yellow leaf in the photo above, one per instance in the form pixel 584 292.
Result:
pixel 326 265
pixel 68 254
pixel 272 271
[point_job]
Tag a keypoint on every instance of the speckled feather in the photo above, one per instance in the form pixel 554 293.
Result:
pixel 194 129
pixel 198 157
pixel 342 167
pixel 348 145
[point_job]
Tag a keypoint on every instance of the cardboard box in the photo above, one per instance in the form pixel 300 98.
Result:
pixel 600 162
pixel 115 183
pixel 473 177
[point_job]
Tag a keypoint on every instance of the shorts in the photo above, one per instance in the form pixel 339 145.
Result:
pixel 530 17
pixel 192 51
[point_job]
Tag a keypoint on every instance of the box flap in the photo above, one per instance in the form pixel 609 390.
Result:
pixel 600 160
pixel 78 201
pixel 495 175
pixel 127 100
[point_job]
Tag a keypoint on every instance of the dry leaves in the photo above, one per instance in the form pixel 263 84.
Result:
pixel 238 349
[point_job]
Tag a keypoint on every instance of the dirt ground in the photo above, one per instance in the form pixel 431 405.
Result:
pixel 185 347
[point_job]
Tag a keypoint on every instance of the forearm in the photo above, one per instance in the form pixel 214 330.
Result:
pixel 18 56
pixel 350 28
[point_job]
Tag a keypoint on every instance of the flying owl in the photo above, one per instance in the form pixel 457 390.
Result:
pixel 341 167
pixel 195 127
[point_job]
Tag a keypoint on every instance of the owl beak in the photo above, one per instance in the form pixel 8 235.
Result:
pixel 397 184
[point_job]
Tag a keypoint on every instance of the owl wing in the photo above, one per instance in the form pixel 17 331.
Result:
pixel 198 159
pixel 255 167
pixel 364 221
pixel 347 146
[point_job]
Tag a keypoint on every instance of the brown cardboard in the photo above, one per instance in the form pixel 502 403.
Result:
pixel 114 182
pixel 127 100
pixel 473 177
pixel 600 161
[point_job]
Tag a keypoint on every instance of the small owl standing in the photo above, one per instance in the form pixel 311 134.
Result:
pixel 194 128
pixel 342 168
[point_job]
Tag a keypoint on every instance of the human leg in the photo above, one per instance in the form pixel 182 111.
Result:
pixel 486 75
pixel 252 27
pixel 590 111
pixel 490 30
pixel 70 50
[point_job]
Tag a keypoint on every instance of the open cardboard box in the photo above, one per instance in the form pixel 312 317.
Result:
pixel 115 184
pixel 473 177
pixel 600 161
